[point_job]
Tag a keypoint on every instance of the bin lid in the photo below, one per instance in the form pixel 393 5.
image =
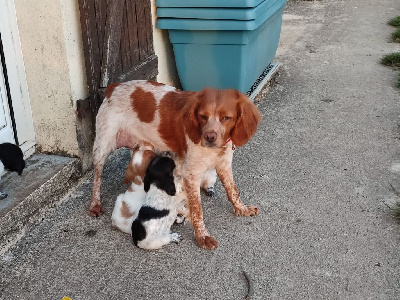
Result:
pixel 207 24
pixel 208 3
pixel 215 13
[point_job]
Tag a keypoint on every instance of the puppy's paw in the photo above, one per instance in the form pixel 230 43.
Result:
pixel 96 210
pixel 207 242
pixel 246 211
pixel 210 191
pixel 179 219
pixel 175 237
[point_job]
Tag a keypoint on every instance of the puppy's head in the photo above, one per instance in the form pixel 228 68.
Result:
pixel 160 172
pixel 215 116
pixel 12 157
pixel 136 169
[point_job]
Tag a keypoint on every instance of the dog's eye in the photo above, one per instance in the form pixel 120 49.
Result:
pixel 203 117
pixel 226 118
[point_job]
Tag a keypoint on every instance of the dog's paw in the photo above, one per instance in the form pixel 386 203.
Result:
pixel 247 211
pixel 207 242
pixel 210 191
pixel 179 219
pixel 175 237
pixel 96 210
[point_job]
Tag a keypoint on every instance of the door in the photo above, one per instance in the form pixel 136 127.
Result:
pixel 15 97
pixel 6 128
pixel 117 38
pixel 117 43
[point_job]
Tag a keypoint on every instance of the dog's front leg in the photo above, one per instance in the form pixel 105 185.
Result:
pixel 192 188
pixel 224 172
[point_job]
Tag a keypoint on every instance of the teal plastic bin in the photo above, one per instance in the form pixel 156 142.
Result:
pixel 246 13
pixel 224 53
pixel 208 3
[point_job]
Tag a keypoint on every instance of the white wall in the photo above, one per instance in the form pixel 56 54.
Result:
pixel 52 50
pixel 167 73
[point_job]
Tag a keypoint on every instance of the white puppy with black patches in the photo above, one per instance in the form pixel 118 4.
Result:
pixel 128 204
pixel 151 229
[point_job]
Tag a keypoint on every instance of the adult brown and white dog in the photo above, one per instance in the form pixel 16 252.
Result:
pixel 202 128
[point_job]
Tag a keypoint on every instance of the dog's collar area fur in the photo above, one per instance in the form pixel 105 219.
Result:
pixel 233 146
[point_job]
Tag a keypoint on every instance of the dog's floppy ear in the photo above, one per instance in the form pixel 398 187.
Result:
pixel 189 118
pixel 151 173
pixel 146 182
pixel 248 118
pixel 148 178
pixel 130 173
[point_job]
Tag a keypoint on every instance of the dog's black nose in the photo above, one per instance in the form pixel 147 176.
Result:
pixel 210 137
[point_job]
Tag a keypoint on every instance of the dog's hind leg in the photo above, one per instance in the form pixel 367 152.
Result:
pixel 107 140
pixel 104 144
pixel 95 208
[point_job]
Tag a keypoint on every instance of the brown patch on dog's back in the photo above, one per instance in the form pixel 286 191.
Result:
pixel 110 89
pixel 125 212
pixel 144 104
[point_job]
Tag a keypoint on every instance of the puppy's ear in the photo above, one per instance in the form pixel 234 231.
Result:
pixel 248 118
pixel 189 118
pixel 130 171
pixel 146 183
pixel 151 173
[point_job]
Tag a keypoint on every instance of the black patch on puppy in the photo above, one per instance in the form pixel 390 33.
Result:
pixel 146 213
pixel 12 157
pixel 138 232
pixel 160 172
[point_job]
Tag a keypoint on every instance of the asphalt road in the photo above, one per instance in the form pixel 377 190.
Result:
pixel 320 168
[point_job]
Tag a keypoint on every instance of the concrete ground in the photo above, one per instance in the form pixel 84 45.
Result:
pixel 320 168
pixel 34 193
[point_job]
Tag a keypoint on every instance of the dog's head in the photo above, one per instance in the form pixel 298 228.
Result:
pixel 160 173
pixel 12 157
pixel 214 116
